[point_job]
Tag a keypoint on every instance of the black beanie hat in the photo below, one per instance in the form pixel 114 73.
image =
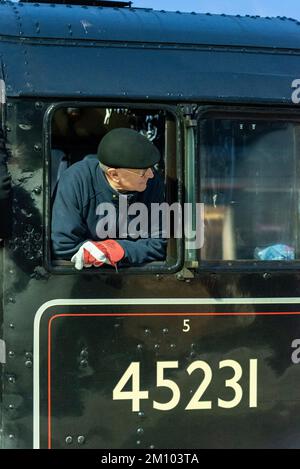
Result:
pixel 127 148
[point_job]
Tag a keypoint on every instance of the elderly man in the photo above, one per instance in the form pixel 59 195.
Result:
pixel 125 174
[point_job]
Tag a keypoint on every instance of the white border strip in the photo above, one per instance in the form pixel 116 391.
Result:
pixel 129 301
pixel 2 352
pixel 2 92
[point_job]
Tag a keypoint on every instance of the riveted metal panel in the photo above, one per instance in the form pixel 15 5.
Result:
pixel 83 350
pixel 142 25
pixel 144 73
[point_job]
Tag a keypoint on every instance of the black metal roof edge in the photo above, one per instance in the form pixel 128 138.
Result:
pixel 150 10
pixel 95 3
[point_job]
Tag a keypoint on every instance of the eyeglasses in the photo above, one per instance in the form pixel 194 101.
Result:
pixel 143 174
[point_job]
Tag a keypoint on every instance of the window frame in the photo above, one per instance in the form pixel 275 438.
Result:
pixel 286 114
pixel 66 267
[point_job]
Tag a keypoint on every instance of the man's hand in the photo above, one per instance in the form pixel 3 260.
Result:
pixel 97 253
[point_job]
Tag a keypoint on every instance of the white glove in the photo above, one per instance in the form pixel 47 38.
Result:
pixel 83 258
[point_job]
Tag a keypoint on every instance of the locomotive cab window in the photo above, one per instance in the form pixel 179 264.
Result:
pixel 249 184
pixel 109 166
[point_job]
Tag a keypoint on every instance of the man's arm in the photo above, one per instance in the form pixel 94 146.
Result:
pixel 68 227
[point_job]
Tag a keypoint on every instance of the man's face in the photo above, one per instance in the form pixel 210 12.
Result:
pixel 131 179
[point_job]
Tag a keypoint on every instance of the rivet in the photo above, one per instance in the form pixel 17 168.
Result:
pixel 28 355
pixel 37 190
pixel 138 442
pixel 147 331
pixel 8 129
pixel 12 326
pixel 38 105
pixel 84 353
pixel 12 379
pixel 28 364
pixel 156 346
pixel 83 363
pixel 172 346
pixel 141 414
pixel 11 407
pixel 69 440
pixel 11 436
pixel 11 354
pixel 37 147
pixel 140 431
pixel 81 440
pixel 139 346
pixel 151 446
pixel 165 330
pixel 11 300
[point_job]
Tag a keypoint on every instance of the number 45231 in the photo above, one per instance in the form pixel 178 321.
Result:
pixel 195 403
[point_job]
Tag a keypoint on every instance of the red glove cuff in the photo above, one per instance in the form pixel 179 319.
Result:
pixel 111 249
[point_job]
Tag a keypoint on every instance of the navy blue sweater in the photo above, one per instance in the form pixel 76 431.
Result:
pixel 81 189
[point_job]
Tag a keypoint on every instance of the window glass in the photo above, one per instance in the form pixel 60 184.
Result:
pixel 250 190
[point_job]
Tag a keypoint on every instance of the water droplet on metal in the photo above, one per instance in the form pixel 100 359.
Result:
pixel 25 126
pixel 84 353
pixel 37 190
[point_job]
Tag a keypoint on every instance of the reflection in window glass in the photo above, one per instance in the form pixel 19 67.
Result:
pixel 248 183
